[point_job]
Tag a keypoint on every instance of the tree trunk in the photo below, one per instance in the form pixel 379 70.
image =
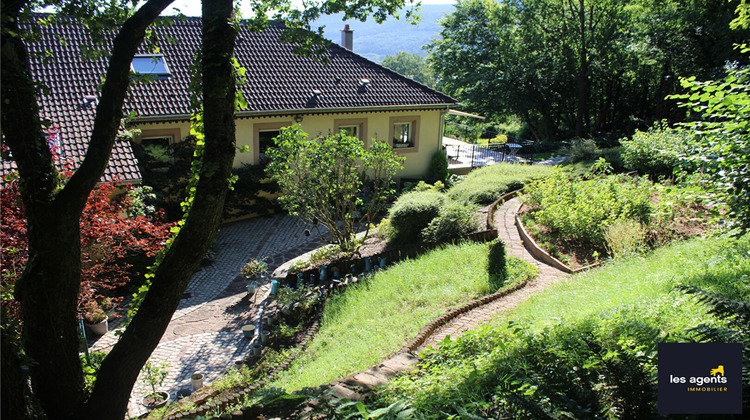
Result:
pixel 582 78
pixel 49 285
pixel 120 369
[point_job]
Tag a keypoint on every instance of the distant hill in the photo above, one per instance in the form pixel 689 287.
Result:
pixel 376 41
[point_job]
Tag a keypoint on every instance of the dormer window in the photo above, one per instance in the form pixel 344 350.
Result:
pixel 151 64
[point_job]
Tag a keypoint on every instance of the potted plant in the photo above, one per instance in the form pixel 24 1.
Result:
pixel 154 375
pixel 108 306
pixel 254 269
pixel 95 318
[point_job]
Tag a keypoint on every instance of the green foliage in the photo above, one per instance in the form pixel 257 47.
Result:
pixel 154 374
pixel 322 179
pixel 91 367
pixel 736 314
pixel 412 212
pixel 624 237
pixel 656 152
pixel 251 192
pixel 497 266
pixel 581 150
pixel 254 268
pixel 613 156
pixel 438 169
pixel 412 66
pixel 453 221
pixel 583 210
pixel 586 348
pixel 561 68
pixel 723 136
pixel 487 184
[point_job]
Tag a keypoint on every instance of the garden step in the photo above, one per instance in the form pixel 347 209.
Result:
pixel 340 391
pixel 401 362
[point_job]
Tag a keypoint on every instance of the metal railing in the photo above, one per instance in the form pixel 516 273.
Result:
pixel 476 155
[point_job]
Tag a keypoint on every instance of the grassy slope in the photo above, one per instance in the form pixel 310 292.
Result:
pixel 712 263
pixel 487 184
pixel 616 300
pixel 369 321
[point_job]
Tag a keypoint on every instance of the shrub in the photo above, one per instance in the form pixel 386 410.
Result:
pixel 497 267
pixel 487 184
pixel 454 221
pixel 412 212
pixel 438 169
pixel 582 210
pixel 624 237
pixel 583 149
pixel 655 152
pixel 613 156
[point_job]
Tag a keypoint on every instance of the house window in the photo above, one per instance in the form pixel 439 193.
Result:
pixel 404 132
pixel 350 130
pixel 263 138
pixel 266 140
pixel 355 127
pixel 156 144
pixel 152 64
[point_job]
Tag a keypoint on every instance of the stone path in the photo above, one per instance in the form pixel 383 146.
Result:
pixel 354 386
pixel 204 334
pixel 548 275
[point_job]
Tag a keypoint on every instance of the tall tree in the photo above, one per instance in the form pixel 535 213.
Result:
pixel 48 287
pixel 571 67
pixel 410 65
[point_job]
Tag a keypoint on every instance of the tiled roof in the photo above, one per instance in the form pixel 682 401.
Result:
pixel 276 81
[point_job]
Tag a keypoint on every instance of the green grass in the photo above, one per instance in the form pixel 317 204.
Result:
pixel 625 308
pixel 487 184
pixel 369 321
pixel 646 283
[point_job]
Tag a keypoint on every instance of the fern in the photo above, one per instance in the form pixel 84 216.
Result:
pixel 737 330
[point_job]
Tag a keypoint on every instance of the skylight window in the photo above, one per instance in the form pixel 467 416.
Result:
pixel 153 64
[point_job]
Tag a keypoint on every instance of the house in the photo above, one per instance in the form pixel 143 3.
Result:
pixel 349 93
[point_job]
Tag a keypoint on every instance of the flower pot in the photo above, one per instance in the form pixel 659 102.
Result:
pixel 265 335
pixel 252 287
pixel 155 400
pixel 248 330
pixel 100 328
pixel 256 349
pixel 196 380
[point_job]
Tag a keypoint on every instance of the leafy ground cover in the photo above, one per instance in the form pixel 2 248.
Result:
pixel 584 348
pixel 371 320
pixel 602 215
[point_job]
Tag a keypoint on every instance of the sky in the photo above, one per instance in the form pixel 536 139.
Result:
pixel 193 7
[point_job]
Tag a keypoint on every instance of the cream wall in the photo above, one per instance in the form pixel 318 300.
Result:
pixel 377 125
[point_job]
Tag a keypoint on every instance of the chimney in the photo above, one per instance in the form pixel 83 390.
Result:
pixel 347 38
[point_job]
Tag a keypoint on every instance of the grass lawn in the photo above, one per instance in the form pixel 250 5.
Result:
pixel 369 321
pixel 617 313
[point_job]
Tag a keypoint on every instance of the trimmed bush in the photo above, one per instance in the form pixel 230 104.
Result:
pixel 438 169
pixel 454 221
pixel 411 213
pixel 487 184
pixel 497 267
pixel 655 152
